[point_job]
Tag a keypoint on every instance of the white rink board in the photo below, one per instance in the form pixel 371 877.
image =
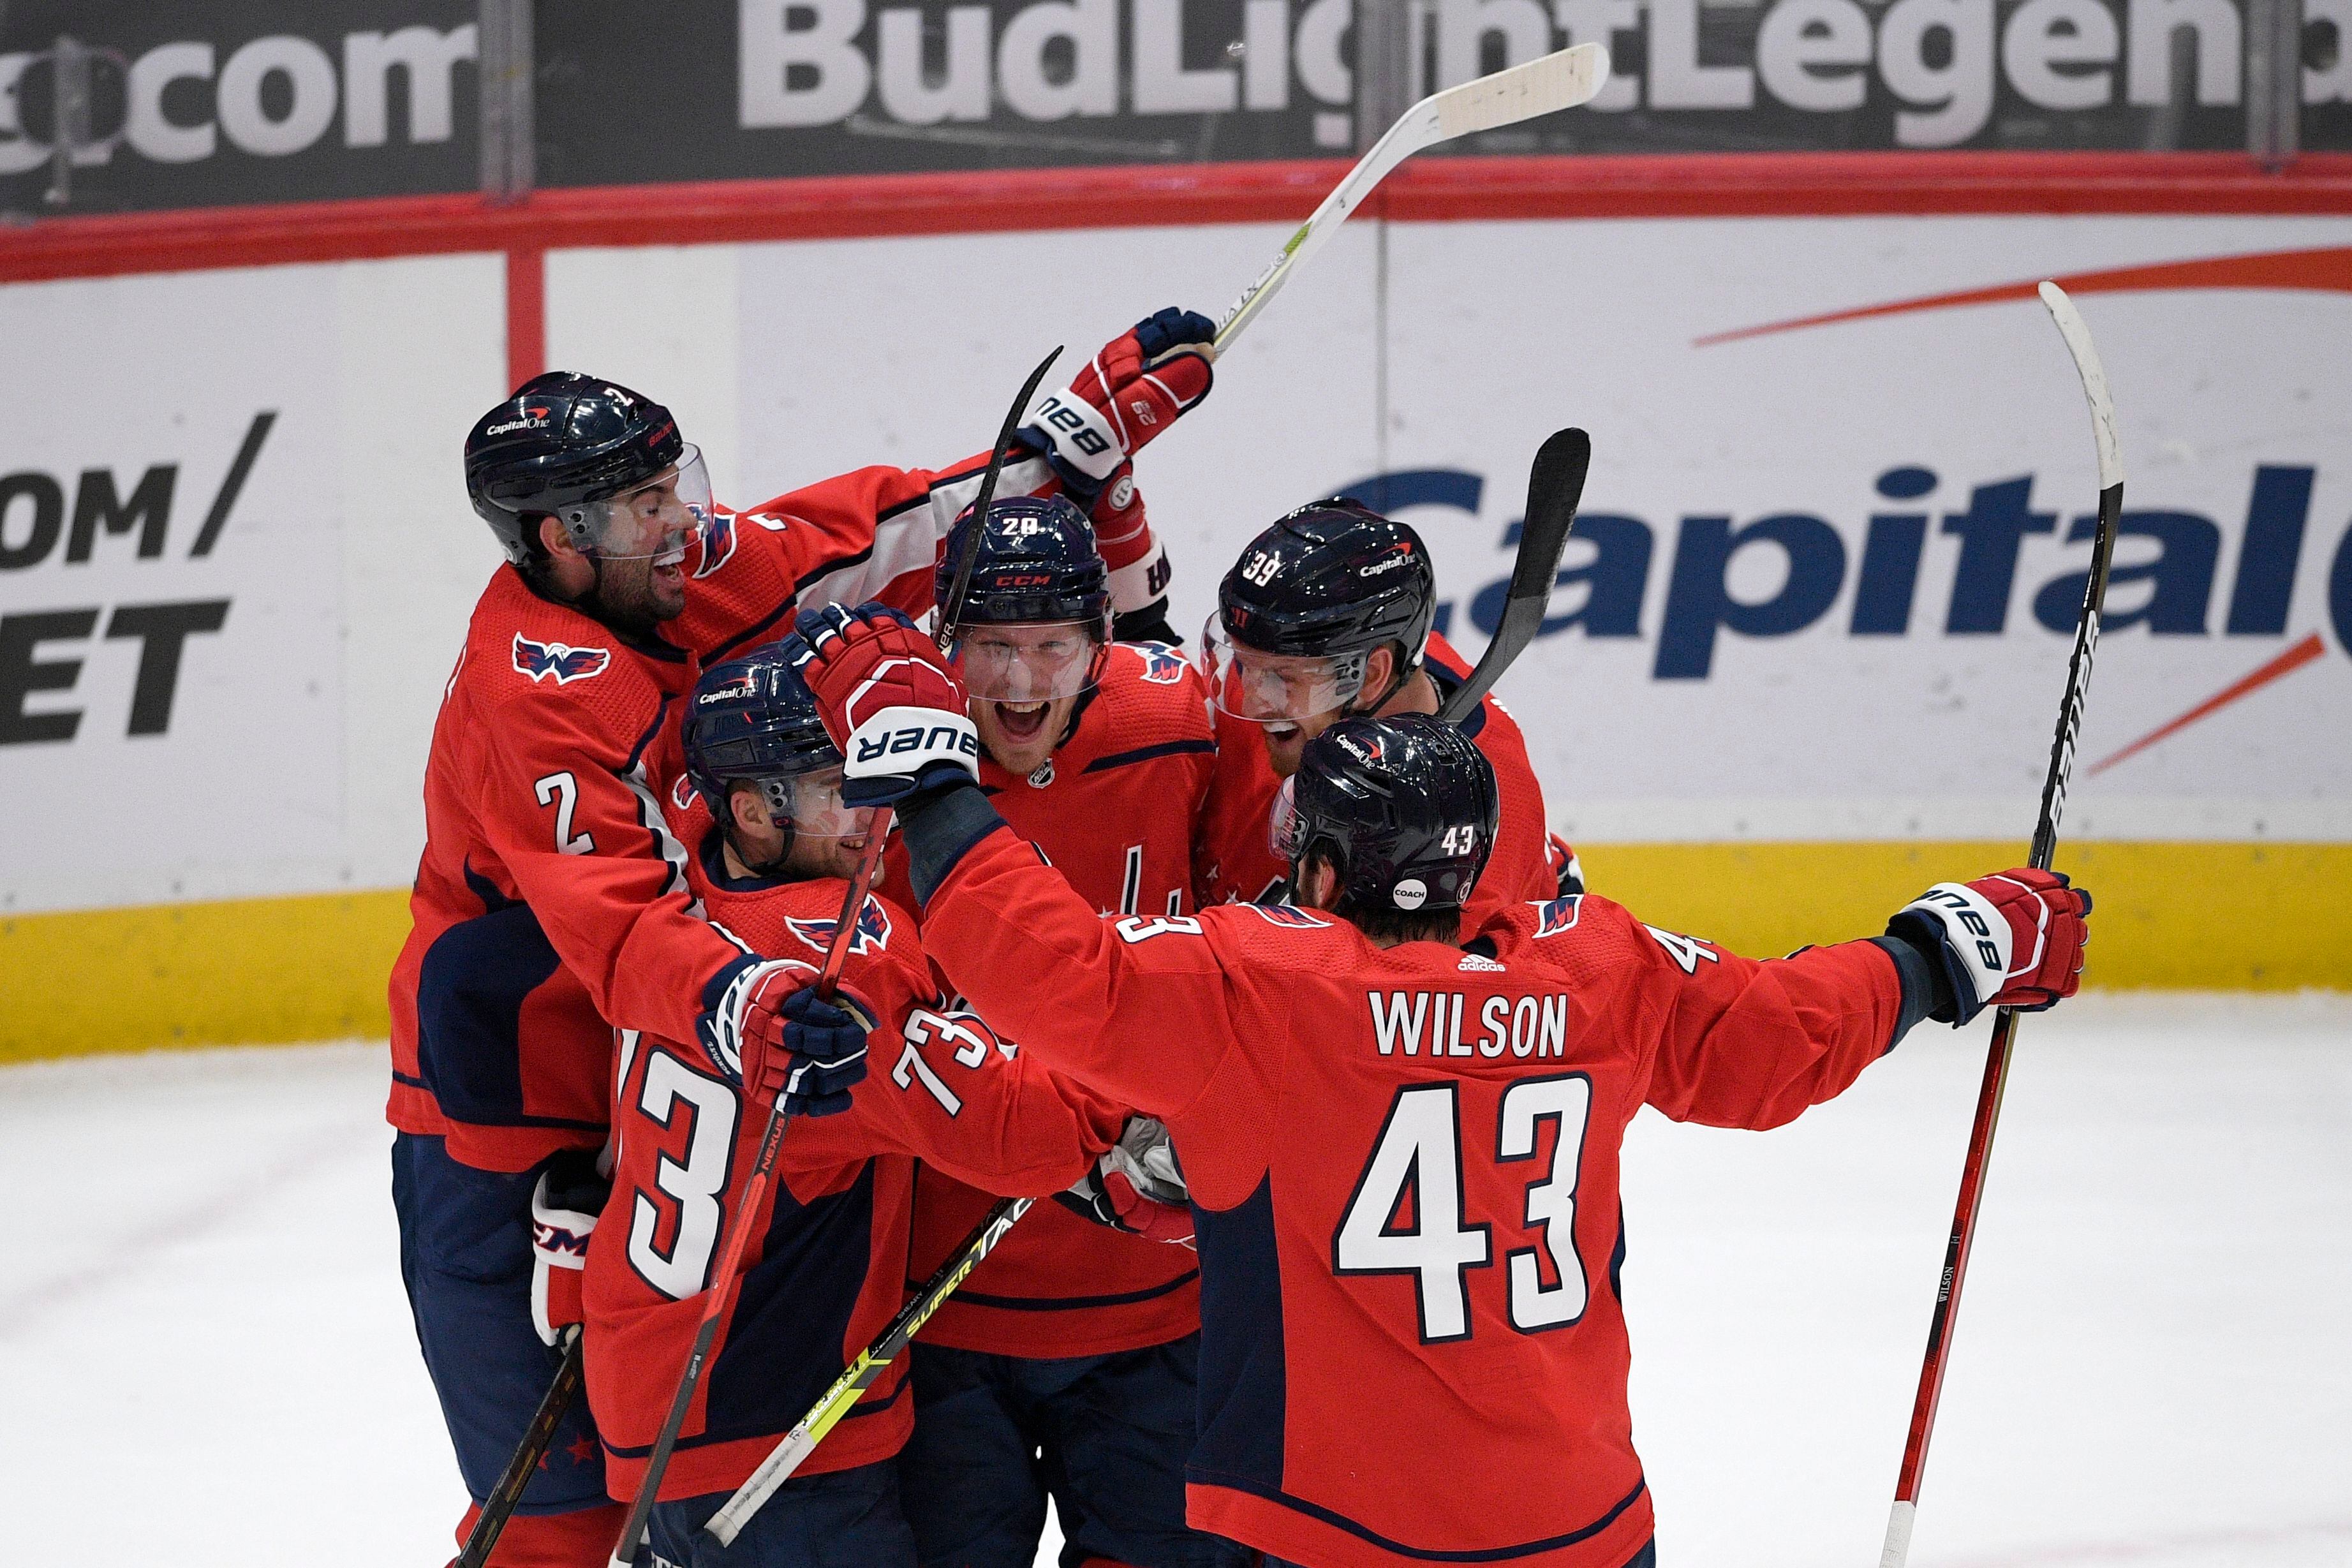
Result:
pixel 1442 351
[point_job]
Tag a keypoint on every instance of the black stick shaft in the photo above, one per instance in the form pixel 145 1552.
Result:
pixel 501 1505
pixel 1990 1092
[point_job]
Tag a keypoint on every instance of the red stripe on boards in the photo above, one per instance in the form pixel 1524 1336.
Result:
pixel 1436 189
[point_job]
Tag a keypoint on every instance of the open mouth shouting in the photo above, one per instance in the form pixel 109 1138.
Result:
pixel 1021 721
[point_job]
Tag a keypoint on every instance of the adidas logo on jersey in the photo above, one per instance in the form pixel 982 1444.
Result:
pixel 1478 963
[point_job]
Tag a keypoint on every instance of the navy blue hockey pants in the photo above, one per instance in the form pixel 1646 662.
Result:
pixel 1105 1437
pixel 844 1519
pixel 465 1257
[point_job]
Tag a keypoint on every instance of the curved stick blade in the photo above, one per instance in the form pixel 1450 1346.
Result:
pixel 1555 486
pixel 951 613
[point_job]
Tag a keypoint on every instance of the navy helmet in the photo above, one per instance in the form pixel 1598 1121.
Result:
pixel 754 719
pixel 1333 577
pixel 562 442
pixel 1404 809
pixel 1038 562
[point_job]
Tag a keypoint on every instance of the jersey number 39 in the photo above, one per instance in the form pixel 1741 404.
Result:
pixel 1419 1152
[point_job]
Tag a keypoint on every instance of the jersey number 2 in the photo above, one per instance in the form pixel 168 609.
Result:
pixel 1419 1154
pixel 562 791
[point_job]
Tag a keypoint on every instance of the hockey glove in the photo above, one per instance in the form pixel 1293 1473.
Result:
pixel 1133 390
pixel 2014 939
pixel 565 1204
pixel 1136 1187
pixel 1137 560
pixel 824 1051
pixel 889 700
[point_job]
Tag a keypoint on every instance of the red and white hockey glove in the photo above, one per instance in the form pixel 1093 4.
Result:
pixel 570 1193
pixel 1134 388
pixel 1137 560
pixel 2014 939
pixel 889 700
pixel 1136 1187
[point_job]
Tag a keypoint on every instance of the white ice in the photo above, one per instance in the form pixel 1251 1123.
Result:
pixel 206 1357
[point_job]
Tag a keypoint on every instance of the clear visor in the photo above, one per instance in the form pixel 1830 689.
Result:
pixel 1282 822
pixel 1271 688
pixel 1027 662
pixel 656 520
pixel 810 803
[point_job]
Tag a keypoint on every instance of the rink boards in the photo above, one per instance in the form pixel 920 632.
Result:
pixel 1805 657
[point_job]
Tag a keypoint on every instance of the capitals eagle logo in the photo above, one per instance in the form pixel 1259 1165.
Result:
pixel 873 933
pixel 562 661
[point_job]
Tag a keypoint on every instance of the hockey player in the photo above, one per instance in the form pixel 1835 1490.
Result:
pixel 825 1268
pixel 1401 1137
pixel 550 895
pixel 1065 1365
pixel 1328 614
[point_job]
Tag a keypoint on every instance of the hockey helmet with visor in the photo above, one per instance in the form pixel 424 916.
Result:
pixel 753 720
pixel 1036 622
pixel 1300 613
pixel 606 463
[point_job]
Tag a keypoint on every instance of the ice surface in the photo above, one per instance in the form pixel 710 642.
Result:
pixel 206 1357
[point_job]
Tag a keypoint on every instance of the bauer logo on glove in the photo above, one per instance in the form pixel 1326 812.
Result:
pixel 2014 939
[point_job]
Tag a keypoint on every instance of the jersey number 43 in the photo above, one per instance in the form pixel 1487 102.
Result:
pixel 1418 1156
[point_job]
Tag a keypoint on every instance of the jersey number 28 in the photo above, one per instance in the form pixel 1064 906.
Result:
pixel 1420 1151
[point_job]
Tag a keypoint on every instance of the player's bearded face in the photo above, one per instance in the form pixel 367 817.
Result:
pixel 640 544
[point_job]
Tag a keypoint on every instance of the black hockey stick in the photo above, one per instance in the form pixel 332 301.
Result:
pixel 951 613
pixel 721 1290
pixel 862 1373
pixel 1555 484
pixel 500 1504
pixel 2046 846
pixel 859 1376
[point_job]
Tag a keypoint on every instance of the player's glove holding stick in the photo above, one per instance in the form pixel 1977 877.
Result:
pixel 1139 384
pixel 795 1044
pixel 1136 1187
pixel 2014 939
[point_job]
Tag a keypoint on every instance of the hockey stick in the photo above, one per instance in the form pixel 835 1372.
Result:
pixel 862 1373
pixel 859 1375
pixel 721 1289
pixel 1555 485
pixel 1560 80
pixel 2046 844
pixel 501 1505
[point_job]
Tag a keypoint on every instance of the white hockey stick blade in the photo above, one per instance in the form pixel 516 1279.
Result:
pixel 1560 80
pixel 2095 382
pixel 1897 1549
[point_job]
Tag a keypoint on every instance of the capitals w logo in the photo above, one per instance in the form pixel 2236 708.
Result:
pixel 1162 664
pixel 718 541
pixel 562 661
pixel 1286 915
pixel 1558 915
pixel 873 933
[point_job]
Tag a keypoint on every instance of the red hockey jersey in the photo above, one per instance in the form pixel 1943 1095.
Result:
pixel 824 1267
pixel 1116 815
pixel 1240 866
pixel 1404 1164
pixel 550 897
